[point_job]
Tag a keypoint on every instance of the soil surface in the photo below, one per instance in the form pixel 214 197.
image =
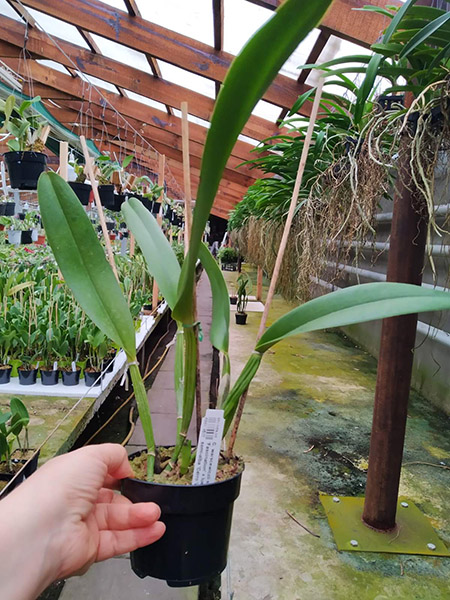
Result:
pixel 226 469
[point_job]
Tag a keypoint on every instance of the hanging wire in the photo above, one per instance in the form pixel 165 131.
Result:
pixel 100 93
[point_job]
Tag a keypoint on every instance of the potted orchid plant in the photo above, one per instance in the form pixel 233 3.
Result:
pixel 198 517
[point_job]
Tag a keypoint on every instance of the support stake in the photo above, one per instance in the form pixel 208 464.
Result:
pixel 161 167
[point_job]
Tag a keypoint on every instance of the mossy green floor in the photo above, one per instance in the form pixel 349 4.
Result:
pixel 45 413
pixel 306 428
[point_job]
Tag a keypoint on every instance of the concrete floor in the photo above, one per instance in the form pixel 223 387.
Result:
pixel 306 429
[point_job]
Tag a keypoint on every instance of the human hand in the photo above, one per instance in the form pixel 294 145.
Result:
pixel 66 517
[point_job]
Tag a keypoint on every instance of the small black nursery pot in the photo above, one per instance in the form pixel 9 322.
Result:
pixel 92 378
pixel 26 472
pixel 5 374
pixel 198 523
pixel 24 168
pixel 27 376
pixel 82 191
pixel 106 193
pixel 241 318
pixel 71 377
pixel 49 377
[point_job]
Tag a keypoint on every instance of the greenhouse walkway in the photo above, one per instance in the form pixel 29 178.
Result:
pixel 306 430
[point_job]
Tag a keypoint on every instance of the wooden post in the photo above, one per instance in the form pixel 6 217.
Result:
pixel 186 176
pixel 161 167
pixel 101 215
pixel 63 159
pixel 259 282
pixel 132 244
pixel 292 206
pixel 398 334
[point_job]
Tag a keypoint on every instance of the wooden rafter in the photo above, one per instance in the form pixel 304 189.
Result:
pixel 121 74
pixel 218 15
pixel 139 34
pixel 344 22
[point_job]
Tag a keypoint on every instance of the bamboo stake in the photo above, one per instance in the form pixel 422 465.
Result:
pixel 292 207
pixel 281 249
pixel 186 176
pixel 132 244
pixel 161 167
pixel 101 215
pixel 63 159
pixel 259 282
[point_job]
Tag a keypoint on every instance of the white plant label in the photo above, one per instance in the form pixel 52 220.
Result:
pixel 208 448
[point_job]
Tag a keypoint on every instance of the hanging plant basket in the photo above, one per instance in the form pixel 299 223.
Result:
pixel 26 237
pixel 24 168
pixel 155 208
pixel 106 193
pixel 5 374
pixel 82 191
pixel 27 376
pixel 49 377
pixel 14 236
pixel 198 523
pixel 119 199
pixel 9 209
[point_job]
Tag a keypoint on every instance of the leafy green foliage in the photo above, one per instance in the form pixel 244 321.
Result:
pixel 12 423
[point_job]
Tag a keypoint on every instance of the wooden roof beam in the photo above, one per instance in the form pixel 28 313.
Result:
pixel 124 75
pixel 361 28
pixel 140 34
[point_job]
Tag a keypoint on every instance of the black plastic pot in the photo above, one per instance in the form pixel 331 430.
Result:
pixel 9 209
pixel 110 226
pixel 26 472
pixel 27 377
pixel 49 377
pixel 119 199
pixel 155 208
pixel 106 193
pixel 92 378
pixel 26 238
pixel 2 208
pixel 82 191
pixel 24 168
pixel 71 377
pixel 198 522
pixel 5 375
pixel 241 318
pixel 147 203
pixel 108 363
pixel 233 299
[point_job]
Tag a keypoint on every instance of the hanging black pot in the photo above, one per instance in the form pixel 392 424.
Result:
pixel 155 208
pixel 198 522
pixel 26 237
pixel 241 318
pixel 82 191
pixel 233 299
pixel 119 199
pixel 24 168
pixel 2 209
pixel 106 193
pixel 148 204
pixel 71 377
pixel 27 376
pixel 5 374
pixel 92 378
pixel 49 377
pixel 109 226
pixel 10 208
pixel 25 472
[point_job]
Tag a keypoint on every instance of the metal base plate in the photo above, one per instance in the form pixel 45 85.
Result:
pixel 413 534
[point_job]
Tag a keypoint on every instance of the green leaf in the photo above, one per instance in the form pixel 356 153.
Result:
pixel 9 106
pixel 19 408
pixel 127 160
pixel 424 34
pixel 82 261
pixel 356 304
pixel 247 79
pixel 161 261
pixel 219 332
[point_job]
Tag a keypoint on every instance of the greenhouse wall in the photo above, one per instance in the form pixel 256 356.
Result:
pixel 431 375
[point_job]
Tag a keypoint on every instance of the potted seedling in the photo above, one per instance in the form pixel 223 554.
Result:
pixel 79 186
pixel 97 343
pixel 243 288
pixel 110 173
pixel 228 258
pixel 14 452
pixel 7 340
pixel 198 517
pixel 26 159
